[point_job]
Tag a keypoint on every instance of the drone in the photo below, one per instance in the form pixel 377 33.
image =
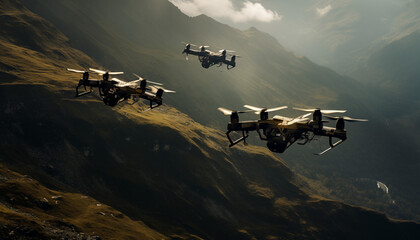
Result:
pixel 281 132
pixel 209 58
pixel 114 91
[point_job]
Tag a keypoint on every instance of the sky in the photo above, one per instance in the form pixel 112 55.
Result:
pixel 225 9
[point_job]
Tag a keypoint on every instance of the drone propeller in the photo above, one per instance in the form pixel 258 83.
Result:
pixel 189 44
pixel 119 81
pixel 228 51
pixel 101 72
pixel 138 77
pixel 228 112
pixel 77 71
pixel 155 89
pixel 322 111
pixel 348 119
pixel 203 48
pixel 302 118
pixel 148 81
pixel 259 110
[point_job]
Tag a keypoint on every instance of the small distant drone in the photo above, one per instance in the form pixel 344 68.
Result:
pixel 281 132
pixel 114 91
pixel 209 58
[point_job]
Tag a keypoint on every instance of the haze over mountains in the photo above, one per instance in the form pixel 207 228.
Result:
pixel 162 167
pixel 338 34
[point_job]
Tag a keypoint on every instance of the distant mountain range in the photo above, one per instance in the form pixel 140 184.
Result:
pixel 161 167
pixel 339 34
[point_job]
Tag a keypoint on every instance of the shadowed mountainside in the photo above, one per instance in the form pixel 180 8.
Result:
pixel 31 211
pixel 159 166
pixel 145 36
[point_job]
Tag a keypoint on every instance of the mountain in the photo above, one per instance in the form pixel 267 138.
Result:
pixel 393 70
pixel 29 210
pixel 160 166
pixel 145 36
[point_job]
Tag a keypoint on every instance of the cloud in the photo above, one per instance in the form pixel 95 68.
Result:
pixel 322 11
pixel 224 9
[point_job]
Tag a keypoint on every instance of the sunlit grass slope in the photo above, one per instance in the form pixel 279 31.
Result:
pixel 29 210
pixel 160 166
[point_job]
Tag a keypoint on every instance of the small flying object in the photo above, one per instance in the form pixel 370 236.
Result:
pixel 281 132
pixel 114 91
pixel 209 58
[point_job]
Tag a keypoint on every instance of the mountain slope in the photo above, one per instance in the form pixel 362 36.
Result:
pixel 174 174
pixel 29 210
pixel 144 37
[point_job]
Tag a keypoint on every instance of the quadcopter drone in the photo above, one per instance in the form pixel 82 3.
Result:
pixel 281 132
pixel 114 91
pixel 209 58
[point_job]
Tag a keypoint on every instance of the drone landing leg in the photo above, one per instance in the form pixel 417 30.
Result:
pixel 305 142
pixel 332 145
pixel 153 106
pixel 82 93
pixel 233 143
pixel 134 101
pixel 261 136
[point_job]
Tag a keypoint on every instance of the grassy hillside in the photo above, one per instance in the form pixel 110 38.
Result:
pixel 162 167
pixel 144 37
pixel 29 210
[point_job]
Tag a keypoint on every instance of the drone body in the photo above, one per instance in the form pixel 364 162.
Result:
pixel 115 90
pixel 281 132
pixel 209 58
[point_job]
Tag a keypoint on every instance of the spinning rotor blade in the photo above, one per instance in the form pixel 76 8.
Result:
pixel 154 89
pixel 137 76
pixel 156 83
pixel 259 110
pixel 229 51
pixel 276 109
pixel 101 72
pixel 225 111
pixel 148 81
pixel 119 81
pixel 115 73
pixel 76 71
pixel 296 120
pixel 97 71
pixel 228 112
pixel 304 116
pixel 189 44
pixel 348 119
pixel 322 111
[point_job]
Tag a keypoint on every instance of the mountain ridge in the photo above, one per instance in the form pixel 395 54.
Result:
pixel 178 176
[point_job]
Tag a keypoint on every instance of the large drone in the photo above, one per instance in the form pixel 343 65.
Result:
pixel 113 91
pixel 281 132
pixel 209 58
